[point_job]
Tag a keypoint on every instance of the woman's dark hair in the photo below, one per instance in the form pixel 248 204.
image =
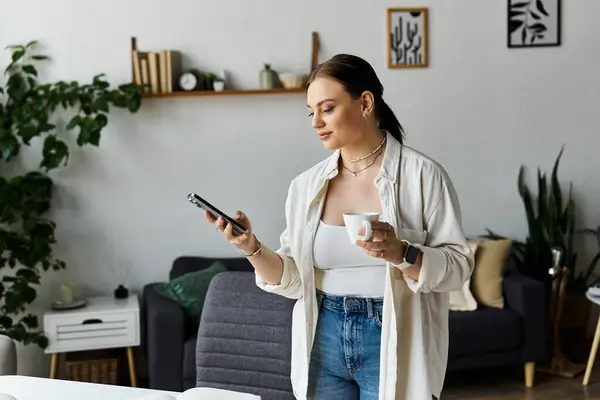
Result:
pixel 357 76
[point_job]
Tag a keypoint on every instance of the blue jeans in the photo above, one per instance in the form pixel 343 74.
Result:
pixel 344 360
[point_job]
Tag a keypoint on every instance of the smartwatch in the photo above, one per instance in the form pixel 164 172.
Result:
pixel 410 254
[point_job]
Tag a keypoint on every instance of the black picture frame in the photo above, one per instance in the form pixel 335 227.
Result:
pixel 534 23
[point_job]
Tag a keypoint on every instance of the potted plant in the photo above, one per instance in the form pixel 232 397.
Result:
pixel 551 220
pixel 550 223
pixel 28 113
pixel 218 83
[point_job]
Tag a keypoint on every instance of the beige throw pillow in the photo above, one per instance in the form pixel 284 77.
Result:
pixel 462 299
pixel 486 280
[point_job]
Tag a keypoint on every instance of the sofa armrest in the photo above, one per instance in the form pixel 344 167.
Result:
pixel 165 336
pixel 527 297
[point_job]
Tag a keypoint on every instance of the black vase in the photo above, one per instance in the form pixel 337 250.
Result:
pixel 121 292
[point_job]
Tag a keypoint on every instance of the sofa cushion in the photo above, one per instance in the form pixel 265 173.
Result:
pixel 486 281
pixel 486 330
pixel 189 290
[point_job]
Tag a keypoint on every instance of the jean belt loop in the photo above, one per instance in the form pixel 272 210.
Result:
pixel 370 307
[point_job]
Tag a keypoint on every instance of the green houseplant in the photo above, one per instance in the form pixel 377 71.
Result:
pixel 29 111
pixel 550 223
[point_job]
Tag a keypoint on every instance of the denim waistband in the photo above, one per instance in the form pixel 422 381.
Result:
pixel 350 305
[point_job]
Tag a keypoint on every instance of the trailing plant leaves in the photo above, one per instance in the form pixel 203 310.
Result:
pixel 9 146
pixel 55 153
pixel 27 112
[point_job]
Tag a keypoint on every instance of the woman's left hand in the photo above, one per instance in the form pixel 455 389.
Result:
pixel 383 243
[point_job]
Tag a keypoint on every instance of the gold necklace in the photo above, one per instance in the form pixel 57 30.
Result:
pixel 368 155
pixel 362 169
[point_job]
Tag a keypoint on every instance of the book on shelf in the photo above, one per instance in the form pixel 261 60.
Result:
pixel 158 69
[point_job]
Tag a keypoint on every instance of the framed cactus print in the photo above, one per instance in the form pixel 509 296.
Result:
pixel 407 37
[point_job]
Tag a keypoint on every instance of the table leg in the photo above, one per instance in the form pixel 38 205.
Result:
pixel 132 375
pixel 592 358
pixel 53 365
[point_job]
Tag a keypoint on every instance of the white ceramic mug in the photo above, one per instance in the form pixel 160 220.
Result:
pixel 355 221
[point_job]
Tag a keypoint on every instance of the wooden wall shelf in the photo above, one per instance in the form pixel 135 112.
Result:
pixel 223 93
pixel 313 65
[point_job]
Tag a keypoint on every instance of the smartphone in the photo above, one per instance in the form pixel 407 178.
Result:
pixel 238 229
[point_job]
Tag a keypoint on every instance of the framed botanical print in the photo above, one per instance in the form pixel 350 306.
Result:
pixel 534 23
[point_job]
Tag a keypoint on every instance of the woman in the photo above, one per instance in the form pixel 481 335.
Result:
pixel 370 322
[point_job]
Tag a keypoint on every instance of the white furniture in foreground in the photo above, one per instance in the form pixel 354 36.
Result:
pixel 104 323
pixel 32 388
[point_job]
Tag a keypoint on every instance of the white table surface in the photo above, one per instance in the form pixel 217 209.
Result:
pixel 593 297
pixel 101 304
pixel 33 388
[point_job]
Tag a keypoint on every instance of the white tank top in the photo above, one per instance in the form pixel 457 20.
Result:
pixel 344 269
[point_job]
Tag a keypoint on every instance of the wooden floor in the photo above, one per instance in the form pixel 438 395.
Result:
pixel 509 384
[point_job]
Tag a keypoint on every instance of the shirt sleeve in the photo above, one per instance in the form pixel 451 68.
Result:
pixel 291 284
pixel 447 259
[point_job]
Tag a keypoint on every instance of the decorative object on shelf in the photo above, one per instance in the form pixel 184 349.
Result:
pixel 218 84
pixel 534 23
pixel 29 110
pixel 290 80
pixel 269 78
pixel 201 88
pixel 407 37
pixel 188 81
pixel 228 92
pixel 158 71
pixel 121 292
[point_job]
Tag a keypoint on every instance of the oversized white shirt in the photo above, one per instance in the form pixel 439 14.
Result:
pixel 420 202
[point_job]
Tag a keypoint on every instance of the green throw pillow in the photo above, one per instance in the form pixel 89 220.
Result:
pixel 189 290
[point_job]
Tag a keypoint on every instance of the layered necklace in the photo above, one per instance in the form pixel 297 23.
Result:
pixel 362 158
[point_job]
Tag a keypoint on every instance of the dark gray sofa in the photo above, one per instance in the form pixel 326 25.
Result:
pixel 487 337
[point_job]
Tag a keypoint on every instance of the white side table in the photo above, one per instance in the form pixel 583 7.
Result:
pixel 104 323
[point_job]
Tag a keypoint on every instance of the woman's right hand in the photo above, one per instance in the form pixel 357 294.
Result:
pixel 245 242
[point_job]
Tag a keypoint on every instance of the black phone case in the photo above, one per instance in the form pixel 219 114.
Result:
pixel 205 205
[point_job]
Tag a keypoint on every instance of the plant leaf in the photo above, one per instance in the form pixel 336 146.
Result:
pixel 30 69
pixel 17 55
pixel 55 152
pixel 540 6
pixel 538 27
pixel 519 5
pixel 515 24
